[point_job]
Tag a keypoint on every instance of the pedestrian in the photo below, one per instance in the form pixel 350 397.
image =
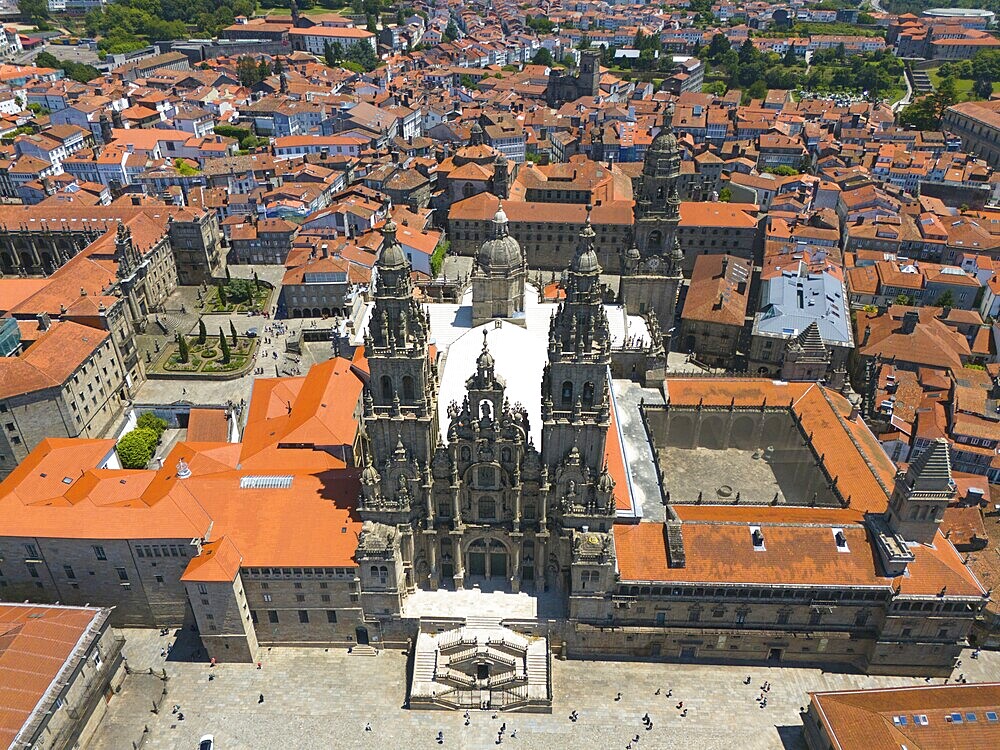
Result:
pixel 503 727
pixel 657 691
pixel 618 697
pixel 260 698
pixel 440 738
pixel 747 680
pixel 258 665
pixel 645 718
pixel 684 713
pixel 368 727
pixel 680 705
pixel 670 693
pixel 513 734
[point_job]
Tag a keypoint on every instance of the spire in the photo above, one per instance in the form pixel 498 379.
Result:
pixel 585 261
pixel 392 257
pixel 810 342
pixel 931 470
pixel 500 223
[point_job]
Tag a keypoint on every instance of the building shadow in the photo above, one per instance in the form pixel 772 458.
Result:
pixel 187 646
pixel 792 737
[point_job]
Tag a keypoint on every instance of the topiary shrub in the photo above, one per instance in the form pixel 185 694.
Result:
pixel 148 420
pixel 135 448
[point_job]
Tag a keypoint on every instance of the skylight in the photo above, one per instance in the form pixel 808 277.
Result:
pixel 261 482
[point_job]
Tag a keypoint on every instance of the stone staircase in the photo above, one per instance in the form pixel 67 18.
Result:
pixel 482 622
pixel 537 667
pixel 364 650
pixel 424 665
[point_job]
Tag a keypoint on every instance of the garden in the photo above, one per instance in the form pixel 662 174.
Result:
pixel 207 355
pixel 235 295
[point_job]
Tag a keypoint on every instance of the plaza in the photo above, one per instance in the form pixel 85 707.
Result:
pixel 315 697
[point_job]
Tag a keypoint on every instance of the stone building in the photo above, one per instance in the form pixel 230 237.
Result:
pixel 715 308
pixel 196 240
pixel 70 382
pixel 59 668
pixel 562 88
pixel 262 241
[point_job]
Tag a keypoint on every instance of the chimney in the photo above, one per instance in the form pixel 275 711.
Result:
pixel 945 312
pixel 43 321
pixel 910 320
pixel 325 250
pixel 136 200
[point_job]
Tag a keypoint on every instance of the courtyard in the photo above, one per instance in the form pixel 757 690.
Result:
pixel 315 697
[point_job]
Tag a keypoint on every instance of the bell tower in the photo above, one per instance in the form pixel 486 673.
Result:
pixel 922 494
pixel 652 270
pixel 400 402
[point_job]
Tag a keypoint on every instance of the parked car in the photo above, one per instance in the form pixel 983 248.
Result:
pixel 252 333
pixel 207 742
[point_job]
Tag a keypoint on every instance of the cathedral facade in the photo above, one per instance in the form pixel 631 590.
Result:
pixel 468 498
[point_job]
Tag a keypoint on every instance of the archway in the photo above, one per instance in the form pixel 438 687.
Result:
pixel 488 559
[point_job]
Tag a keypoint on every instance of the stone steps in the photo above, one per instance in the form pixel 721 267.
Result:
pixel 482 622
pixel 423 666
pixel 537 666
pixel 364 650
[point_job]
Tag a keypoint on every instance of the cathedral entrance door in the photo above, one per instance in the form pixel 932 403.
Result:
pixel 477 563
pixel 488 559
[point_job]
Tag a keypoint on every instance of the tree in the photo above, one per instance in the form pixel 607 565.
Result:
pixel 232 332
pixel 148 420
pixel 901 299
pixel 719 46
pixel 35 11
pixel 725 195
pixel 328 57
pixel 224 346
pixel 183 353
pixel 451 31
pixel 135 448
pixel 982 88
pixel 543 57
pixel 222 294
pixel 202 333
pixel 790 60
pixel 945 300
pixel 362 54
pixel 372 26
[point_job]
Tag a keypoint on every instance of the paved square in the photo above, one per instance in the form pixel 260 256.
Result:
pixel 315 698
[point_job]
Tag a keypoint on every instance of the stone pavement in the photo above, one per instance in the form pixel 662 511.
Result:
pixel 315 698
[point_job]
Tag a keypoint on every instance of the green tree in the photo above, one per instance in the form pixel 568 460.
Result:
pixel 150 421
pixel 202 333
pixel 224 347
pixel 136 448
pixel 221 288
pixel 543 57
pixel 362 54
pixel 901 299
pixel 725 195
pixel 232 332
pixel 328 57
pixel 183 353
pixel 256 282
pixel 451 31
pixel 34 11
pixel 945 300
pixel 982 88
pixel 719 46
pixel 790 59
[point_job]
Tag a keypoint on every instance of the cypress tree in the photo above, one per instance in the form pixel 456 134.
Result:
pixel 232 331
pixel 202 333
pixel 182 349
pixel 224 345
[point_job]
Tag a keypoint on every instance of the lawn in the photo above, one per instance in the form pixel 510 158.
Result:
pixel 240 295
pixel 962 85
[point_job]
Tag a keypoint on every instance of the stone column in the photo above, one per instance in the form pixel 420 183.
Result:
pixel 432 554
pixel 459 563
pixel 456 505
pixel 515 579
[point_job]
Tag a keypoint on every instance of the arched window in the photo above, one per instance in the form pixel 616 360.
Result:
pixel 467 189
pixel 408 388
pixel 383 575
pixel 567 393
pixel 505 455
pixel 655 239
pixel 386 387
pixel 466 453
pixel 588 394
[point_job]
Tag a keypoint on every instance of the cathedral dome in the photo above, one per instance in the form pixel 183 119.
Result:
pixel 502 251
pixel 392 256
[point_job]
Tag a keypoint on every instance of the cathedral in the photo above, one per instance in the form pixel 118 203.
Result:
pixel 497 487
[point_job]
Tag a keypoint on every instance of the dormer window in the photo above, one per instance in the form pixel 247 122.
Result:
pixel 841 540
pixel 757 538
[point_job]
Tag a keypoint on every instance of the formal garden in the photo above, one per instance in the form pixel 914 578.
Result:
pixel 235 295
pixel 205 354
